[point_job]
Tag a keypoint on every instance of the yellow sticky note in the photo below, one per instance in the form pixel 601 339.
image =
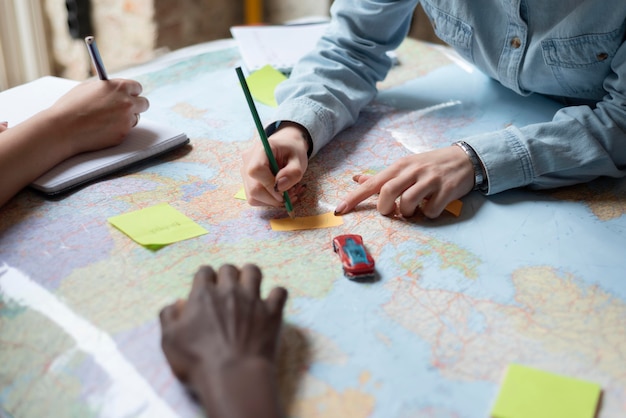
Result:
pixel 263 82
pixel 533 393
pixel 157 225
pixel 326 220
pixel 241 194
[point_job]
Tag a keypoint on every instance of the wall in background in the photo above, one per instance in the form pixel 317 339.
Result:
pixel 133 31
pixel 125 31
pixel 23 47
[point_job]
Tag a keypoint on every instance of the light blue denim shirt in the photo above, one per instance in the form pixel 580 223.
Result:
pixel 573 50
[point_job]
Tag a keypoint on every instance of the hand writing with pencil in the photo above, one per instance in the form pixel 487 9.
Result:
pixel 97 114
pixel 262 187
pixel 280 182
pixel 91 116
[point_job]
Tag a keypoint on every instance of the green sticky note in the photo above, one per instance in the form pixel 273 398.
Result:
pixel 157 226
pixel 533 393
pixel 263 82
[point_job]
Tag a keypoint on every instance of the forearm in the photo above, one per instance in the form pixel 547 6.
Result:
pixel 27 151
pixel 328 88
pixel 579 145
pixel 239 389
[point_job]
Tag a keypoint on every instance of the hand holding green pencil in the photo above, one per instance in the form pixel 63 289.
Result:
pixel 266 145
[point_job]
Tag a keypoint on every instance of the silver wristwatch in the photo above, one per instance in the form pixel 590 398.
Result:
pixel 480 179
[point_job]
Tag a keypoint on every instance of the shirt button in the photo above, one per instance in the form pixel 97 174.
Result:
pixel 516 42
pixel 602 56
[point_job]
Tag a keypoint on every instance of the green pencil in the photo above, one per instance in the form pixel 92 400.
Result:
pixel 266 144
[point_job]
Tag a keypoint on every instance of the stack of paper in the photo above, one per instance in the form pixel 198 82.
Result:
pixel 280 46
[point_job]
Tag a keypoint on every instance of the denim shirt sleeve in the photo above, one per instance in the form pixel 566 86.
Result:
pixel 579 144
pixel 329 87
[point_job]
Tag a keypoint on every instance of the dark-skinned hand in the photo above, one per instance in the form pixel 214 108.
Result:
pixel 222 342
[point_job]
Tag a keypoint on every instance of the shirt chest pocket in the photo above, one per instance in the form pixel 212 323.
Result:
pixel 451 30
pixel 580 64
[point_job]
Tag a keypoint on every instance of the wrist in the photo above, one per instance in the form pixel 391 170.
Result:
pixel 480 174
pixel 282 124
pixel 47 131
pixel 238 388
pixel 53 127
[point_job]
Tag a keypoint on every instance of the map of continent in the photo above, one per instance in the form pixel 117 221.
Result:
pixel 525 277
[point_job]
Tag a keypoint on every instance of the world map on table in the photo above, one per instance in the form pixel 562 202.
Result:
pixel 534 278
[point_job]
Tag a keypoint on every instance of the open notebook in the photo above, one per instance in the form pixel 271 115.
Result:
pixel 146 140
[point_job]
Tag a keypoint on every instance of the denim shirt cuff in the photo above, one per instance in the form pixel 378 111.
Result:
pixel 506 161
pixel 312 116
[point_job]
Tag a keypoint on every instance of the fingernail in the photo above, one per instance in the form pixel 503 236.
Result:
pixel 5 123
pixel 340 208
pixel 279 185
pixel 356 177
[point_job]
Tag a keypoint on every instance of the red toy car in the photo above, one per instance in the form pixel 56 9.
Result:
pixel 357 262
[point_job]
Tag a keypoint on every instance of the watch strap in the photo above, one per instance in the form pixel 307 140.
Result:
pixel 480 179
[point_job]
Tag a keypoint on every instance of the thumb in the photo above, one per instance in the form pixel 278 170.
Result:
pixel 291 174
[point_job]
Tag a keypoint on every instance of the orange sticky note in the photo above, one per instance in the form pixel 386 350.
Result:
pixel 326 220
pixel 455 207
